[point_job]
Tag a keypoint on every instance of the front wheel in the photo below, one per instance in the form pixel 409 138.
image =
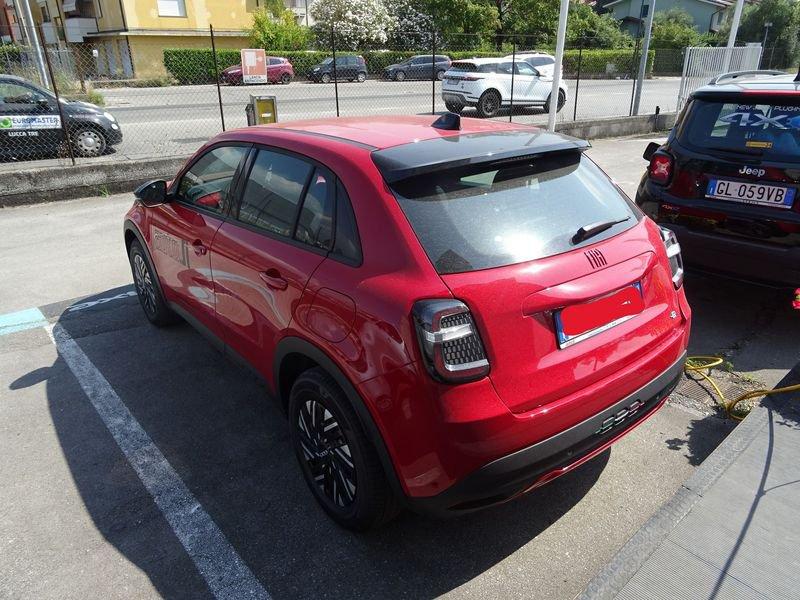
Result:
pixel 340 465
pixel 400 76
pixel 155 307
pixel 88 141
pixel 286 79
pixel 562 99
pixel 362 77
pixel 489 104
pixel 439 75
pixel 326 78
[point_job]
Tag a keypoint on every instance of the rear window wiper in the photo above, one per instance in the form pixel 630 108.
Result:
pixel 591 230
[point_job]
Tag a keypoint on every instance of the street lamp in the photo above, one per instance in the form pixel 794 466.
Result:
pixel 767 25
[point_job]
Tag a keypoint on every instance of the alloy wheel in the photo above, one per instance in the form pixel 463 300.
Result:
pixel 327 453
pixel 89 142
pixel 144 284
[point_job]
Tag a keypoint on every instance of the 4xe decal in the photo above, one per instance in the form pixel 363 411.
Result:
pixel 170 246
pixel 756 118
pixel 12 122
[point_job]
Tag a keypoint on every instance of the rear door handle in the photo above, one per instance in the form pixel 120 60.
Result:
pixel 199 248
pixel 273 279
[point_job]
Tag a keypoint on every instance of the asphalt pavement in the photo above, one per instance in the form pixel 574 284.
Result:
pixel 130 449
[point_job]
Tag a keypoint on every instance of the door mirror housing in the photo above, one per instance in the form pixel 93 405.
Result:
pixel 650 150
pixel 152 193
pixel 43 103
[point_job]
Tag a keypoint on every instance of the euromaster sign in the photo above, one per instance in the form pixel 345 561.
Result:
pixel 254 65
pixel 12 122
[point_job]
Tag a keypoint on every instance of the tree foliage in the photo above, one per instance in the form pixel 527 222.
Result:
pixel 674 28
pixel 784 33
pixel 356 23
pixel 278 31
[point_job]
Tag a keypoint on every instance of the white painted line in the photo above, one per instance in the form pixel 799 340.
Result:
pixel 91 303
pixel 222 568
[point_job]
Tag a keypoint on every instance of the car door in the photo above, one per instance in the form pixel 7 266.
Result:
pixel 525 83
pixel 181 231
pixel 502 80
pixel 417 68
pixel 29 120
pixel 263 257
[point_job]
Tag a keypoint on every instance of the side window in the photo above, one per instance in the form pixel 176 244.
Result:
pixel 504 68
pixel 273 191
pixel 525 69
pixel 207 182
pixel 13 93
pixel 315 224
pixel 347 246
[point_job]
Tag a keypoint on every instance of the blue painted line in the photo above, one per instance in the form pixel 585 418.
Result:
pixel 21 320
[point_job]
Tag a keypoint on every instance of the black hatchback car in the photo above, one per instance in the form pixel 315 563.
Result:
pixel 348 67
pixel 727 179
pixel 30 123
pixel 421 66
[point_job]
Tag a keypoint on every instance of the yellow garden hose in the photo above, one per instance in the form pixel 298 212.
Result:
pixel 702 365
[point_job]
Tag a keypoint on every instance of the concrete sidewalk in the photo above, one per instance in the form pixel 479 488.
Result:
pixel 732 530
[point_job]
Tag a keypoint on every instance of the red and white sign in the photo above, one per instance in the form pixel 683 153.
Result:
pixel 254 65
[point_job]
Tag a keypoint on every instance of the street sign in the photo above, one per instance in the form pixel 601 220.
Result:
pixel 254 65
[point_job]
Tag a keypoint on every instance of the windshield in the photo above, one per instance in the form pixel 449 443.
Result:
pixel 770 129
pixel 327 61
pixel 493 215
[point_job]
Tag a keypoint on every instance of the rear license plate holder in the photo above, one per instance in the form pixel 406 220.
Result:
pixel 746 192
pixel 579 322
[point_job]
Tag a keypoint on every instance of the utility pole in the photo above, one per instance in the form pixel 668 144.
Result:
pixel 26 17
pixel 737 17
pixel 767 25
pixel 648 30
pixel 562 33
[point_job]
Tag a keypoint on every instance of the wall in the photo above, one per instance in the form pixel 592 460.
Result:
pixel 147 51
pixel 699 11
pixel 222 14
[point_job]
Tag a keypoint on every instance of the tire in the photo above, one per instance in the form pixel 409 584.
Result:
pixel 326 78
pixel 286 79
pixel 489 104
pixel 439 75
pixel 149 293
pixel 400 76
pixel 454 107
pixel 88 141
pixel 339 464
pixel 362 77
pixel 562 99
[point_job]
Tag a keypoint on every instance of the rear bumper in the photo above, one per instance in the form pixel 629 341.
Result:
pixel 530 467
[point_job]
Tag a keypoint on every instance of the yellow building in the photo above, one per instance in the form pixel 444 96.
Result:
pixel 126 38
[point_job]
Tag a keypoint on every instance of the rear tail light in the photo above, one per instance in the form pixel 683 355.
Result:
pixel 661 168
pixel 674 256
pixel 449 340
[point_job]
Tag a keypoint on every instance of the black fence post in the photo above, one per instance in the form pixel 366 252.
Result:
pixel 216 77
pixel 634 74
pixel 335 78
pixel 64 128
pixel 513 68
pixel 433 68
pixel 578 80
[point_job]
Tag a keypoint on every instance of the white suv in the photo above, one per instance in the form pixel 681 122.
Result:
pixel 485 83
pixel 541 61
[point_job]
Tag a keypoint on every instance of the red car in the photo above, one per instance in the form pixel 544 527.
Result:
pixel 452 313
pixel 279 70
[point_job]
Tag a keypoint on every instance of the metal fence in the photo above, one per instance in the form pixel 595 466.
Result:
pixel 167 102
pixel 701 64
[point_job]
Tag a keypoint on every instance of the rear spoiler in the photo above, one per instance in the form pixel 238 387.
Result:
pixel 451 152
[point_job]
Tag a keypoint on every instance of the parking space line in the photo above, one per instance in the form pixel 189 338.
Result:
pixel 222 568
pixel 21 320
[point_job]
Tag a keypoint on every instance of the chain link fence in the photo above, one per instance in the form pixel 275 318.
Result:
pixel 123 99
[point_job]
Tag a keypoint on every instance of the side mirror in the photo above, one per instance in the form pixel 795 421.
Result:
pixel 43 103
pixel 152 193
pixel 650 150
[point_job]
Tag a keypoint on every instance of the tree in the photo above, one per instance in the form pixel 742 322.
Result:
pixel 784 35
pixel 279 31
pixel 587 28
pixel 413 28
pixel 357 23
pixel 674 28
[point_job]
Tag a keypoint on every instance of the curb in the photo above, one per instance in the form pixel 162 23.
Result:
pixel 610 580
pixel 49 184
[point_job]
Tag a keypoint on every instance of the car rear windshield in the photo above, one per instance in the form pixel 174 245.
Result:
pixel 468 67
pixel 491 215
pixel 749 126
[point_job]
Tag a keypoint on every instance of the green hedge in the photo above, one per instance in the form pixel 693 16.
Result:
pixel 196 65
pixel 9 52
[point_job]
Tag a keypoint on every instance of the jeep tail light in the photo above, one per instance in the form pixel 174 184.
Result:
pixel 449 341
pixel 661 168
pixel 674 255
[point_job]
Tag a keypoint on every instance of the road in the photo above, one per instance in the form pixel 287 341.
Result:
pixel 175 121
pixel 78 522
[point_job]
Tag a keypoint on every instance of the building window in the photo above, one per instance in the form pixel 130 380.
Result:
pixel 171 8
pixel 645 11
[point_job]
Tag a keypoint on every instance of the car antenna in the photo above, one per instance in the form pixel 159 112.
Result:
pixel 449 121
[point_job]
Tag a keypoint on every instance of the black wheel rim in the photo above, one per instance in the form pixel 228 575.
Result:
pixel 144 284
pixel 327 454
pixel 490 104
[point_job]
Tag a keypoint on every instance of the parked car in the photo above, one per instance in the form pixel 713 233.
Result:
pixel 451 312
pixel 279 70
pixel 727 178
pixel 421 66
pixel 348 67
pixel 485 83
pixel 541 61
pixel 30 122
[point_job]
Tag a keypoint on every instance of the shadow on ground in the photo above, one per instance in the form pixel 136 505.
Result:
pixel 229 443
